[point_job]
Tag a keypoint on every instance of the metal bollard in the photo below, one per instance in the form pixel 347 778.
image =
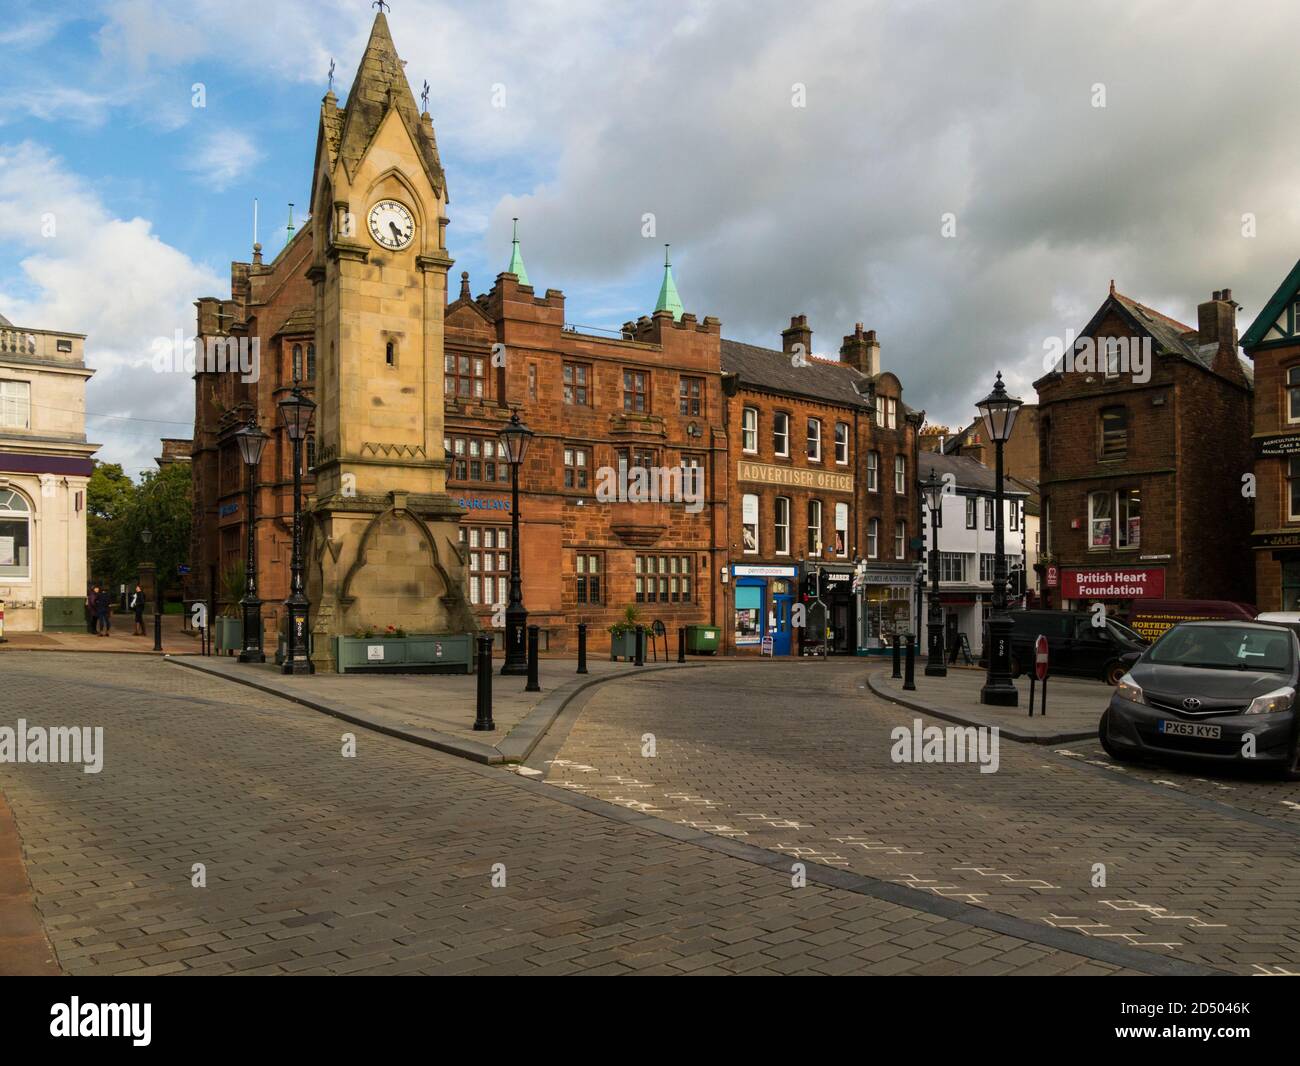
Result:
pixel 532 685
pixel 898 653
pixel 582 647
pixel 639 658
pixel 483 719
pixel 909 679
pixel 157 630
pixel 681 644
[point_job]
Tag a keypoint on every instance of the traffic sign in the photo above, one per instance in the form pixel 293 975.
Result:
pixel 1040 658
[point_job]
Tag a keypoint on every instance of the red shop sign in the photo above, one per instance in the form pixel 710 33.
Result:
pixel 1113 583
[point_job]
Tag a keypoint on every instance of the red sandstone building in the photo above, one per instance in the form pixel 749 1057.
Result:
pixel 665 405
pixel 1273 344
pixel 1141 471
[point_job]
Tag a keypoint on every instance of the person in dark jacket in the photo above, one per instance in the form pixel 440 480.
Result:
pixel 90 609
pixel 102 623
pixel 137 607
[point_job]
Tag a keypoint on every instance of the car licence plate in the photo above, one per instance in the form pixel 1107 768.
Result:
pixel 1191 729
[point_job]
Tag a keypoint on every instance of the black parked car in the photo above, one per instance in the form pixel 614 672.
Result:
pixel 1202 689
pixel 1074 644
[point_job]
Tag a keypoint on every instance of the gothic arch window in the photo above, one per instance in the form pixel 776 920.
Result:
pixel 311 362
pixel 15 536
pixel 297 362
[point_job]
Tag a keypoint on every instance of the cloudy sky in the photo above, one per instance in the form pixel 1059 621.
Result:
pixel 801 158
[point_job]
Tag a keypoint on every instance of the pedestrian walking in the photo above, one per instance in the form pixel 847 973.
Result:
pixel 102 620
pixel 90 608
pixel 137 608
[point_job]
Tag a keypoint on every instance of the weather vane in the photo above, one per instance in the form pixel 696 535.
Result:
pixel 424 97
pixel 331 74
pixel 381 5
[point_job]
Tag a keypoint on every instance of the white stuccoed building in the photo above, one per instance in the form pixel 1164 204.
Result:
pixel 966 546
pixel 45 465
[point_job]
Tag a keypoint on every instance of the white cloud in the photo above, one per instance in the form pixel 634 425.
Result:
pixel 222 158
pixel 109 278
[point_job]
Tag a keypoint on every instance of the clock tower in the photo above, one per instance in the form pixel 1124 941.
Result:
pixel 381 532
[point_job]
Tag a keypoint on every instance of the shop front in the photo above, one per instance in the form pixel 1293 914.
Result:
pixel 832 610
pixel 763 600
pixel 886 601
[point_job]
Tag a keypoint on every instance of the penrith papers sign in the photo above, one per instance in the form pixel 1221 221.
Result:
pixel 1112 583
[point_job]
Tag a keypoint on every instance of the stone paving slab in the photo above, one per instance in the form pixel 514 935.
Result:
pixel 1179 863
pixel 384 863
pixel 434 710
pixel 1074 705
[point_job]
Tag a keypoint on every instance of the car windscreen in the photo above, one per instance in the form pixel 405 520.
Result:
pixel 1224 647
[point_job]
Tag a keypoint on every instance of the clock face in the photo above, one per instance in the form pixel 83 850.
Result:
pixel 391 225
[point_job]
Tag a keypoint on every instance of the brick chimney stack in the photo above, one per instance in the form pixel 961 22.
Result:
pixel 861 351
pixel 1216 320
pixel 798 333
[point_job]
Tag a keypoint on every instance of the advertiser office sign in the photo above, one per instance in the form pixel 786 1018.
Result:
pixel 796 477
pixel 1115 583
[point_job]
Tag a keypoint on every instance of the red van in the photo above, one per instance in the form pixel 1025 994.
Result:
pixel 1151 618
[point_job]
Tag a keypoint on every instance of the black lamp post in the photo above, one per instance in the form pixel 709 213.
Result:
pixel 515 437
pixel 296 411
pixel 146 535
pixel 936 662
pixel 251 442
pixel 999 412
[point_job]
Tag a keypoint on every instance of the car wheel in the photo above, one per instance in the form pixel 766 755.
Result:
pixel 1114 672
pixel 1118 754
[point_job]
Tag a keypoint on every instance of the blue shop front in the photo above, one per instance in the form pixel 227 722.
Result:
pixel 763 599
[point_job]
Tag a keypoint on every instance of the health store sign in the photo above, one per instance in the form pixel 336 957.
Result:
pixel 1116 583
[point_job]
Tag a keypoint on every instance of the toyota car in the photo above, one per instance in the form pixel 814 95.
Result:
pixel 1217 690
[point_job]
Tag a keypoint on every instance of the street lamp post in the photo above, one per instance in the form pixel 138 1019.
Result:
pixel 251 442
pixel 936 662
pixel 999 412
pixel 146 535
pixel 296 411
pixel 515 437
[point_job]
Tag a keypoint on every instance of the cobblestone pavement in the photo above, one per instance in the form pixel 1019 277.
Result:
pixel 316 863
pixel 1200 867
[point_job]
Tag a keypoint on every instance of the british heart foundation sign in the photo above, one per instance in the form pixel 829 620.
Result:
pixel 1113 583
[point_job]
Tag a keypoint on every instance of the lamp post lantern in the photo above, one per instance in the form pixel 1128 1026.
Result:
pixel 251 442
pixel 515 437
pixel 936 663
pixel 999 412
pixel 296 410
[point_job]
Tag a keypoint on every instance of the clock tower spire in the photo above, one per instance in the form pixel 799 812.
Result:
pixel 384 538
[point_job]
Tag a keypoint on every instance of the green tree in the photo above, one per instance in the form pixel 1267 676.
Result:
pixel 110 495
pixel 161 504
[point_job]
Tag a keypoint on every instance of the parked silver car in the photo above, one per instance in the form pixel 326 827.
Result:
pixel 1218 690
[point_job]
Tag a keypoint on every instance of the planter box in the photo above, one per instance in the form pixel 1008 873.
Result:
pixel 622 646
pixel 438 653
pixel 228 634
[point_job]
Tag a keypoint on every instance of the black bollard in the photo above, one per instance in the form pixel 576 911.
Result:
pixel 532 685
pixel 681 644
pixel 898 654
pixel 582 647
pixel 909 679
pixel 157 630
pixel 483 719
pixel 639 658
